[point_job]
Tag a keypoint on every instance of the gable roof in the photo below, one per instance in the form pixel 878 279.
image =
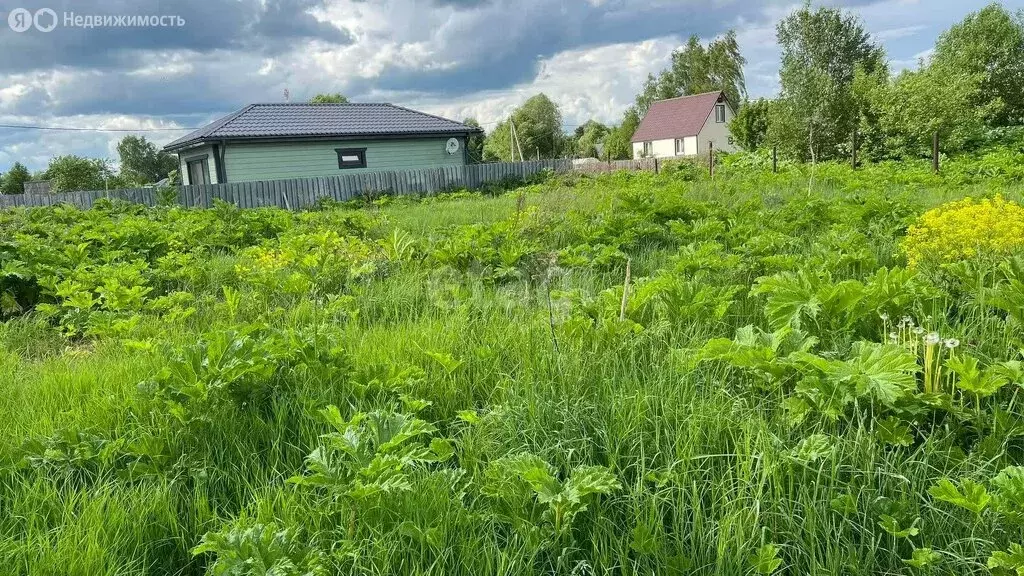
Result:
pixel 677 117
pixel 303 121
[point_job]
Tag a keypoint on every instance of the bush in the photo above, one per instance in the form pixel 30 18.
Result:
pixel 965 230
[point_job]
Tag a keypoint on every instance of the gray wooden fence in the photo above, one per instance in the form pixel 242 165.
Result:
pixel 37 187
pixel 302 193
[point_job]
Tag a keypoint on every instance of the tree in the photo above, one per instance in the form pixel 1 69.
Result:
pixel 142 162
pixel 696 69
pixel 538 131
pixel 498 144
pixel 475 142
pixel 335 98
pixel 750 125
pixel 71 173
pixel 538 124
pixel 988 43
pixel 13 181
pixel 821 51
pixel 587 137
pixel 618 143
pixel 906 111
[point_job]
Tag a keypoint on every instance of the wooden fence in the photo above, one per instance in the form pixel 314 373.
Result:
pixel 301 193
pixel 37 187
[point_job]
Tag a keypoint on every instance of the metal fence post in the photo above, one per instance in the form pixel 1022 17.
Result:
pixel 853 151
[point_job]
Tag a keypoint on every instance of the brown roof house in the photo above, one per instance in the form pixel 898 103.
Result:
pixel 685 126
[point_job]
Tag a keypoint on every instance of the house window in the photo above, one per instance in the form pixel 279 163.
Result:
pixel 351 158
pixel 648 148
pixel 680 147
pixel 719 113
pixel 198 171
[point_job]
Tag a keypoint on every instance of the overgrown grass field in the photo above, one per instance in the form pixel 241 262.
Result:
pixel 810 372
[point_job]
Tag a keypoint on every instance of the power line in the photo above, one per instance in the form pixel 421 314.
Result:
pixel 71 129
pixel 506 120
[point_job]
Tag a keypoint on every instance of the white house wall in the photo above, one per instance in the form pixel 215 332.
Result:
pixel 662 149
pixel 667 148
pixel 689 146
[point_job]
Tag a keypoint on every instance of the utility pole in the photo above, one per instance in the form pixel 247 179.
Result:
pixel 519 146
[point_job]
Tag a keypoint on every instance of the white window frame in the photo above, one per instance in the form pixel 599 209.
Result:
pixel 719 118
pixel 680 146
pixel 648 148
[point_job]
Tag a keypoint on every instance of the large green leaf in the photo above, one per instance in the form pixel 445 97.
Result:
pixel 1009 498
pixel 882 371
pixel 973 380
pixel 1012 560
pixel 587 480
pixel 790 296
pixel 970 495
pixel 812 448
pixel 765 560
pixel 922 558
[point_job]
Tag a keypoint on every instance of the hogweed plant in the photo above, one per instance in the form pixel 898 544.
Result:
pixel 932 350
pixel 517 481
pixel 370 455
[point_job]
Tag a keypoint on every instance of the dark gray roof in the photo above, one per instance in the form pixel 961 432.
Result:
pixel 284 121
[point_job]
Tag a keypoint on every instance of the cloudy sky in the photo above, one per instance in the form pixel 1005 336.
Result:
pixel 456 58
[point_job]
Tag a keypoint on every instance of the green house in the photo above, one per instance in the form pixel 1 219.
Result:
pixel 279 141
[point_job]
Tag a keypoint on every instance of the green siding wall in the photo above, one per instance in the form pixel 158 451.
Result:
pixel 274 161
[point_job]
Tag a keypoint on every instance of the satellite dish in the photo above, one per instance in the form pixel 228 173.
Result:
pixel 452 146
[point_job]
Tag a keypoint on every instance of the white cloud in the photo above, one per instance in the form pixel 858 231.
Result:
pixel 596 83
pixel 895 33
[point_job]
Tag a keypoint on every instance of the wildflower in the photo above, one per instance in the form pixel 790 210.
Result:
pixel 883 316
pixel 894 336
pixel 919 330
pixel 966 229
pixel 951 343
pixel 932 338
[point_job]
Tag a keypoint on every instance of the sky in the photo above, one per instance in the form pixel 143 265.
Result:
pixel 455 58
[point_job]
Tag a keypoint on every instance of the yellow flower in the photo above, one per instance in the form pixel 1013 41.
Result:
pixel 966 229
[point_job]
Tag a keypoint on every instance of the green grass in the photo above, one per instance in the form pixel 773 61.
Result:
pixel 503 315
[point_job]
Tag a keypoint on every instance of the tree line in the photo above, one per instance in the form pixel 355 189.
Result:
pixel 836 89
pixel 141 163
